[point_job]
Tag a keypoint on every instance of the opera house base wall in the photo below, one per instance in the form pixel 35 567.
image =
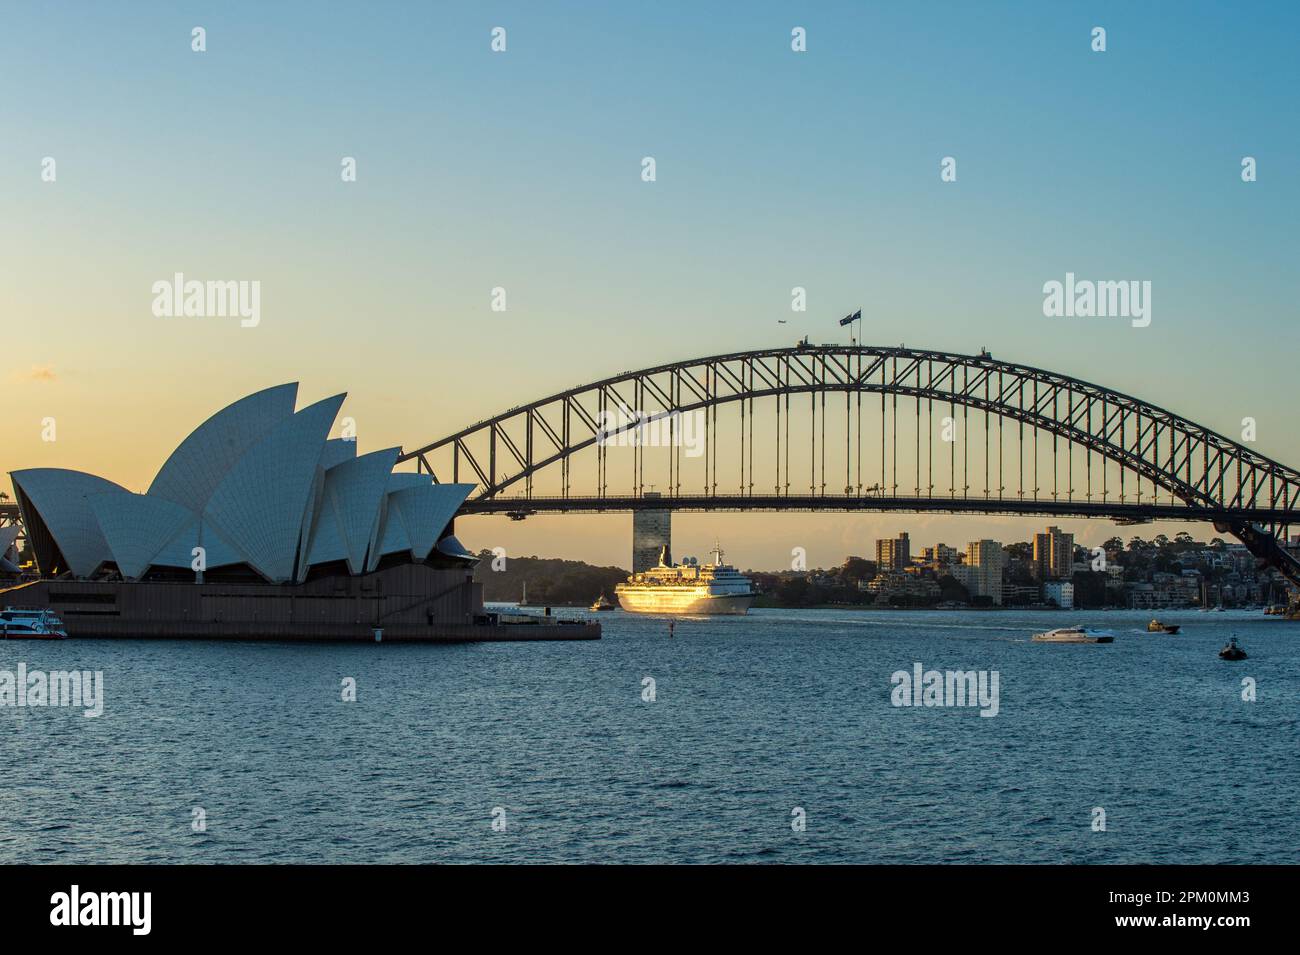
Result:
pixel 409 602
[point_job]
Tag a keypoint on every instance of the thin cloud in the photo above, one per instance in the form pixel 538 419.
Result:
pixel 42 373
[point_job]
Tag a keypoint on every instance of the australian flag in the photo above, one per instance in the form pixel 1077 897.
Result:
pixel 847 319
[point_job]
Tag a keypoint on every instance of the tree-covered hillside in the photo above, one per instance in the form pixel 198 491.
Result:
pixel 550 582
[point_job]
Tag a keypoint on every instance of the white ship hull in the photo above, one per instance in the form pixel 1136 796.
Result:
pixel 1073 635
pixel 684 601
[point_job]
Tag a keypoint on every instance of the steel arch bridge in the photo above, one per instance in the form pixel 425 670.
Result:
pixel 8 514
pixel 1108 454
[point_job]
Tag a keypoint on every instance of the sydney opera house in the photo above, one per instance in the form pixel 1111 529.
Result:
pixel 259 525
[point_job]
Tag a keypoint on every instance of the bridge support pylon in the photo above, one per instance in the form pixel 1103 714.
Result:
pixel 652 531
pixel 1268 552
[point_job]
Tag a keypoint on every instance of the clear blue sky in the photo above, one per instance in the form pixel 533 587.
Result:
pixel 521 170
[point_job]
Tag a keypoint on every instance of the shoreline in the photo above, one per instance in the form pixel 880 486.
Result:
pixel 1035 608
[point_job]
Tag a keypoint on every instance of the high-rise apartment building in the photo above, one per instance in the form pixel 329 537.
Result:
pixel 1053 554
pixel 984 562
pixel 893 554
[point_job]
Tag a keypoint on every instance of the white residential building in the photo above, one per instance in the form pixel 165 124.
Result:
pixel 1059 592
pixel 981 574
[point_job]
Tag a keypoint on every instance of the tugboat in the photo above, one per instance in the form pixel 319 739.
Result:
pixel 1155 626
pixel 20 622
pixel 1074 635
pixel 603 603
pixel 1231 651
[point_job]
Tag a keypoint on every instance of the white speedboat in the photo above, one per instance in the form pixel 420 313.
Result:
pixel 1074 635
pixel 34 624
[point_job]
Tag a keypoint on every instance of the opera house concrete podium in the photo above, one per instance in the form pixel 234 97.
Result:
pixel 261 526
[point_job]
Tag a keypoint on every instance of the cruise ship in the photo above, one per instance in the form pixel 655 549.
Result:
pixel 687 588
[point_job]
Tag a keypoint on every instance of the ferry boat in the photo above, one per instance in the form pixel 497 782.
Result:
pixel 687 588
pixel 34 624
pixel 1074 635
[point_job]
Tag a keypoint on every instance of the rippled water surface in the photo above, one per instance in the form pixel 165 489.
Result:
pixel 753 717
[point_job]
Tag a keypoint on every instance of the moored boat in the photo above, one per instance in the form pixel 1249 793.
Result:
pixel 31 623
pixel 1074 635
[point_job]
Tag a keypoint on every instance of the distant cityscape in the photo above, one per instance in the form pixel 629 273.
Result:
pixel 1050 571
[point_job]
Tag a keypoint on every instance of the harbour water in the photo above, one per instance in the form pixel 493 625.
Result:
pixel 753 719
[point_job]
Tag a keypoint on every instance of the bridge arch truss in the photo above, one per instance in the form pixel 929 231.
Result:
pixel 1109 454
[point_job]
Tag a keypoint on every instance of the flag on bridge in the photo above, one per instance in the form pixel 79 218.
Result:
pixel 848 319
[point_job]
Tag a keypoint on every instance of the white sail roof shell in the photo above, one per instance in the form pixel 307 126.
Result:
pixel 347 519
pixel 137 527
pixel 62 501
pixel 179 550
pixel 337 451
pixel 450 546
pixel 415 515
pixel 426 511
pixel 392 537
pixel 194 470
pixel 8 553
pixel 260 505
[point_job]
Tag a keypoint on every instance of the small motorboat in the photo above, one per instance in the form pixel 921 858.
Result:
pixel 1231 651
pixel 603 603
pixel 18 623
pixel 1155 626
pixel 1074 635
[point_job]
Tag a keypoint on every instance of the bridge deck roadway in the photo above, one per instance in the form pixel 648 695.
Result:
pixel 1123 512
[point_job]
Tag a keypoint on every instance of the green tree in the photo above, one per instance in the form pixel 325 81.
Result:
pixel 1019 551
pixel 953 590
pixel 795 592
pixel 858 568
